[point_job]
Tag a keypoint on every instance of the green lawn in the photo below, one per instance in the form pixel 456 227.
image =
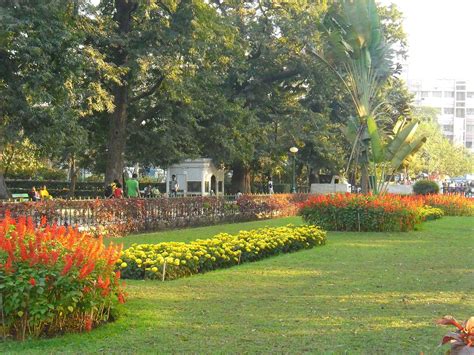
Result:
pixel 361 293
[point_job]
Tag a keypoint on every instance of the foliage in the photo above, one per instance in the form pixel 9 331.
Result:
pixel 173 260
pixel 462 340
pixel 425 187
pixel 438 155
pixel 429 213
pixel 54 279
pixel 377 213
pixel 118 217
pixel 451 205
pixel 20 158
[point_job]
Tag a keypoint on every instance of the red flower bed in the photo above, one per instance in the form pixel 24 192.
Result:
pixel 348 212
pixel 54 279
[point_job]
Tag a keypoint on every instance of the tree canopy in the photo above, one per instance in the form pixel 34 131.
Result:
pixel 120 82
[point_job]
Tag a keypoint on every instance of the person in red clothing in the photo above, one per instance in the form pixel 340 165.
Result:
pixel 118 192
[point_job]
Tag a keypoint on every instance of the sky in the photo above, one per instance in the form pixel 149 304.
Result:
pixel 440 38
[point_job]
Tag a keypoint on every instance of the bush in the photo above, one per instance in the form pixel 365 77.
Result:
pixel 451 205
pixel 429 213
pixel 173 260
pixel 54 279
pixel 346 212
pixel 425 187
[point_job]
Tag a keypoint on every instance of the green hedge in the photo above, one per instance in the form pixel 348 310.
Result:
pixel 60 189
pixel 425 187
pixel 173 260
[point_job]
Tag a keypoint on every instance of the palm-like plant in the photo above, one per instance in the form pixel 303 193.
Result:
pixel 356 51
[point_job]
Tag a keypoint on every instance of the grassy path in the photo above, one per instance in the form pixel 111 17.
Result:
pixel 362 293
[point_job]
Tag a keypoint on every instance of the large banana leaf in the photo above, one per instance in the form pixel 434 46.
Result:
pixel 406 150
pixel 375 140
pixel 400 139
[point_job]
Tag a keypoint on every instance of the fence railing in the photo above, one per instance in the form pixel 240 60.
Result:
pixel 116 217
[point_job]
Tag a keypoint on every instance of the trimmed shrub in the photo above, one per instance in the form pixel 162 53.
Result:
pixel 173 260
pixel 54 280
pixel 429 213
pixel 425 187
pixel 346 212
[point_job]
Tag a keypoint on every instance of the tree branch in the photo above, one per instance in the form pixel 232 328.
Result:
pixel 150 91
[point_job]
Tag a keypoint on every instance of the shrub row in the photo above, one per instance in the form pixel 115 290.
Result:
pixel 173 260
pixel 60 189
pixel 349 212
pixel 54 279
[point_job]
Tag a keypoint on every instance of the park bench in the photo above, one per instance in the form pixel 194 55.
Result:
pixel 20 197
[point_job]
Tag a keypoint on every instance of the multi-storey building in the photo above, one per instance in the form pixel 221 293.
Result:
pixel 454 102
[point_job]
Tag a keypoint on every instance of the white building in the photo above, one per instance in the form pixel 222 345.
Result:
pixel 197 177
pixel 454 101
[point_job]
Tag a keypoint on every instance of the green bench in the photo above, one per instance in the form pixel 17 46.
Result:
pixel 20 197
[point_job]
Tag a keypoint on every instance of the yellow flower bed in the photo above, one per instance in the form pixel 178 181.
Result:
pixel 175 259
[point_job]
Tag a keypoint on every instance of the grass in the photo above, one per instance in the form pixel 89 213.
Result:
pixel 361 293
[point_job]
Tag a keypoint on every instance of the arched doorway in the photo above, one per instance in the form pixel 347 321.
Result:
pixel 213 185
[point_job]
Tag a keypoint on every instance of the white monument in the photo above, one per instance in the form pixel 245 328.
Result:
pixel 337 185
pixel 196 177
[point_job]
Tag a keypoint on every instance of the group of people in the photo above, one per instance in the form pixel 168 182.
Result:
pixel 132 189
pixel 115 190
pixel 42 194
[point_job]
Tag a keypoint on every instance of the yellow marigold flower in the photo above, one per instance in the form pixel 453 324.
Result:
pixel 123 265
pixel 154 269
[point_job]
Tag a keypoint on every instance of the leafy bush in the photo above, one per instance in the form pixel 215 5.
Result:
pixel 54 279
pixel 346 212
pixel 451 205
pixel 425 187
pixel 173 260
pixel 429 213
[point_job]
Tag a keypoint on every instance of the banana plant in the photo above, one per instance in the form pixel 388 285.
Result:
pixel 355 49
pixel 388 157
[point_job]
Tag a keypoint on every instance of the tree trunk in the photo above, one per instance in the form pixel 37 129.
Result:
pixel 72 177
pixel 313 177
pixel 364 178
pixel 117 136
pixel 3 187
pixel 117 127
pixel 241 178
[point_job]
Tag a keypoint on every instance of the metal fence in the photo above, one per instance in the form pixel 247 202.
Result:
pixel 124 216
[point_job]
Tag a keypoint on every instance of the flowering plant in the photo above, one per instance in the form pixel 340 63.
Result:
pixel 172 260
pixel 54 279
pixel 349 212
pixel 462 340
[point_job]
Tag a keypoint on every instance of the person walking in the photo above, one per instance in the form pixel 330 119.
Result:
pixel 132 186
pixel 270 186
pixel 174 186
